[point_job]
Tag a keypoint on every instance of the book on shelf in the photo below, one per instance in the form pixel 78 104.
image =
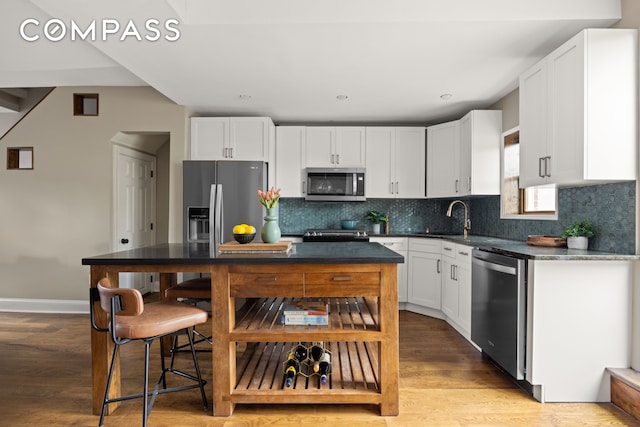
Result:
pixel 304 312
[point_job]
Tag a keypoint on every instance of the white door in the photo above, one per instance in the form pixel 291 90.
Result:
pixel 443 158
pixel 410 162
pixel 319 147
pixel 134 205
pixel 350 146
pixel 380 142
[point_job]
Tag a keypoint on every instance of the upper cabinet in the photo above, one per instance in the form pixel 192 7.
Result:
pixel 463 156
pixel 289 168
pixel 395 162
pixel 232 138
pixel 335 147
pixel 578 111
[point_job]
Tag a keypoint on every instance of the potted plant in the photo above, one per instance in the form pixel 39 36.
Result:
pixel 578 233
pixel 377 218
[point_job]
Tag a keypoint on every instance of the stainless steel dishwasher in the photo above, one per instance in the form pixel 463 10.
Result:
pixel 498 314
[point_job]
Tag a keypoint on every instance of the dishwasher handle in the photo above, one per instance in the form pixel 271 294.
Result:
pixel 496 267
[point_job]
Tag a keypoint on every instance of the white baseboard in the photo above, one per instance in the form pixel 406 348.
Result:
pixel 20 305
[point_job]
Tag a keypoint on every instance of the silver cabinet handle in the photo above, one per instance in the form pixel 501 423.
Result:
pixel 438 266
pixel 457 182
pixel 469 184
pixel 332 159
pixel 391 187
pixel 304 187
pixel 337 159
pixel 547 166
pixel 231 153
pixel 397 188
pixel 540 161
pixel 224 152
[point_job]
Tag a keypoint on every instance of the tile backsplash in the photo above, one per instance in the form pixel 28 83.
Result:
pixel 610 207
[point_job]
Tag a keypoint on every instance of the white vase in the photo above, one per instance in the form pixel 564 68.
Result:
pixel 376 229
pixel 579 242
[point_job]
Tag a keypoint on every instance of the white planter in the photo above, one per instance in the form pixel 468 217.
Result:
pixel 577 242
pixel 376 229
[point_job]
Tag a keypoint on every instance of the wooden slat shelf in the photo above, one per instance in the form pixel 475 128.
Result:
pixel 354 372
pixel 349 318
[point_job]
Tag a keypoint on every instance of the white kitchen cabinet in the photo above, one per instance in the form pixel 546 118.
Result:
pixel 334 147
pixel 479 167
pixel 395 162
pixel 399 245
pixel 443 154
pixel 424 273
pixel 289 169
pixel 232 138
pixel 578 113
pixel 463 156
pixel 456 286
pixel 578 324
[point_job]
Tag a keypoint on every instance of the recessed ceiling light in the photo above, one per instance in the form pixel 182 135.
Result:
pixel 446 96
pixel 342 97
pixel 245 96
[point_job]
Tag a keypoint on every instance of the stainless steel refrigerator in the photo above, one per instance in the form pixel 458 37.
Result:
pixel 218 195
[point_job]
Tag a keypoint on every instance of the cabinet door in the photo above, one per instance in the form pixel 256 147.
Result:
pixel 409 165
pixel 289 169
pixel 379 154
pixel 464 297
pixel 209 138
pixel 399 245
pixel 319 147
pixel 442 160
pixel 249 138
pixel 424 279
pixel 449 288
pixel 349 146
pixel 533 125
pixel 565 78
pixel 465 155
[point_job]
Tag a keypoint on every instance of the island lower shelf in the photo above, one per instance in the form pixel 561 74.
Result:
pixel 353 378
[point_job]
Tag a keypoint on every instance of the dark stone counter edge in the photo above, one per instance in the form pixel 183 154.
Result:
pixel 517 248
pixel 236 260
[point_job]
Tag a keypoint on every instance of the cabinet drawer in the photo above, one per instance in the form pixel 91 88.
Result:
pixel 341 284
pixel 266 284
pixel 463 254
pixel 394 243
pixel 429 245
pixel 449 249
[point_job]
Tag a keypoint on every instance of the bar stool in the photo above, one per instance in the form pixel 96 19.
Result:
pixel 192 291
pixel 132 320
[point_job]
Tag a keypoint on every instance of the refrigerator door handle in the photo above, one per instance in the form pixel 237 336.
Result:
pixel 215 216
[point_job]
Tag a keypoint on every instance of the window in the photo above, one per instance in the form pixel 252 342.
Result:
pixel 20 158
pixel 526 203
pixel 85 104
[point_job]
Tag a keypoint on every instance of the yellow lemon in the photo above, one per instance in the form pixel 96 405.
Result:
pixel 239 229
pixel 250 229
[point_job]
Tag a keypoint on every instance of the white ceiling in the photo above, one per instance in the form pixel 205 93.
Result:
pixel 393 59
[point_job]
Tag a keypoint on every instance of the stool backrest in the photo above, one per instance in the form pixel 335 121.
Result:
pixel 131 302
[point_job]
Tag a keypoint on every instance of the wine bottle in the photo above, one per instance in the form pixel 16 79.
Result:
pixel 291 369
pixel 299 352
pixel 324 367
pixel 317 350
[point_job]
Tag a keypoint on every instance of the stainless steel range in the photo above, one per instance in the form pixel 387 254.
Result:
pixel 323 235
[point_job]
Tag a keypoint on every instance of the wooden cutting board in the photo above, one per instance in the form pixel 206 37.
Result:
pixel 256 247
pixel 537 240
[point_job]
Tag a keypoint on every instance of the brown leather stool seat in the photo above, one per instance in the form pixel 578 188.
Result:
pixel 129 320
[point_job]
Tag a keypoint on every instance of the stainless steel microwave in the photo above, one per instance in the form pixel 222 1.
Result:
pixel 334 184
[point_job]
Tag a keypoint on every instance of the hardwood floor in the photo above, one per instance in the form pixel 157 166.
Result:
pixel 45 380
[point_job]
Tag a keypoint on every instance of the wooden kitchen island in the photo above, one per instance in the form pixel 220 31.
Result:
pixel 359 280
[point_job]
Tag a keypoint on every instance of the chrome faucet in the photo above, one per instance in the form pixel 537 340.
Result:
pixel 467 221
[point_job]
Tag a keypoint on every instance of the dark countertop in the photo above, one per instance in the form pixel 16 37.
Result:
pixel 301 253
pixel 521 249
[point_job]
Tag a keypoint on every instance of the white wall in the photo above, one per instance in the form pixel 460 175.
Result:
pixel 61 211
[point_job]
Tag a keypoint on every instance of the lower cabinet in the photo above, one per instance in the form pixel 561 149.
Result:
pixel 456 286
pixel 399 245
pixel 424 272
